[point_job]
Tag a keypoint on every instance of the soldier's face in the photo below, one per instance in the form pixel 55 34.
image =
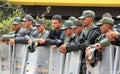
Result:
pixel 17 26
pixel 26 24
pixel 78 30
pixel 86 21
pixel 68 31
pixel 40 28
pixel 104 28
pixel 56 24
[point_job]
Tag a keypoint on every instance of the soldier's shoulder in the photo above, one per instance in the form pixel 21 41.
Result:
pixel 95 27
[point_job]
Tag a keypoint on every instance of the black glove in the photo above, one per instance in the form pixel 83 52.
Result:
pixel 31 47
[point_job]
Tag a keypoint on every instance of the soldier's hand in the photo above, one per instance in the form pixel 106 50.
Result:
pixel 36 44
pixel 12 41
pixel 54 47
pixel 6 41
pixel 41 41
pixel 88 48
pixel 98 47
pixel 112 35
pixel 29 41
pixel 62 48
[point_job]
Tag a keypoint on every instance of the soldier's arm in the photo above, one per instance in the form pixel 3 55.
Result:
pixel 75 46
pixel 56 42
pixel 21 40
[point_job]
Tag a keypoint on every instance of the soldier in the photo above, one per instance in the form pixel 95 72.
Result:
pixel 41 28
pixel 106 25
pixel 114 27
pixel 70 37
pixel 88 35
pixel 17 25
pixel 29 21
pixel 28 31
pixel 56 35
pixel 78 27
pixel 68 30
pixel 43 33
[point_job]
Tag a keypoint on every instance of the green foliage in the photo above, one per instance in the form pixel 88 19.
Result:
pixel 6 23
pixel 7 13
pixel 48 24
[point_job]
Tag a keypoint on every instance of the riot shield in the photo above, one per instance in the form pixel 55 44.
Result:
pixel 31 62
pixel 19 58
pixel 42 66
pixel 67 63
pixel 56 64
pixel 105 63
pixel 75 62
pixel 5 58
pixel 116 61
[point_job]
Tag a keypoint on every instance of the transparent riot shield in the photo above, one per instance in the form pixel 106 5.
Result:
pixel 5 58
pixel 75 62
pixel 67 63
pixel 56 64
pixel 105 65
pixel 19 58
pixel 106 62
pixel 31 62
pixel 42 66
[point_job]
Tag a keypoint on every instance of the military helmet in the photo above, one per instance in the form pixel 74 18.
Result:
pixel 93 56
